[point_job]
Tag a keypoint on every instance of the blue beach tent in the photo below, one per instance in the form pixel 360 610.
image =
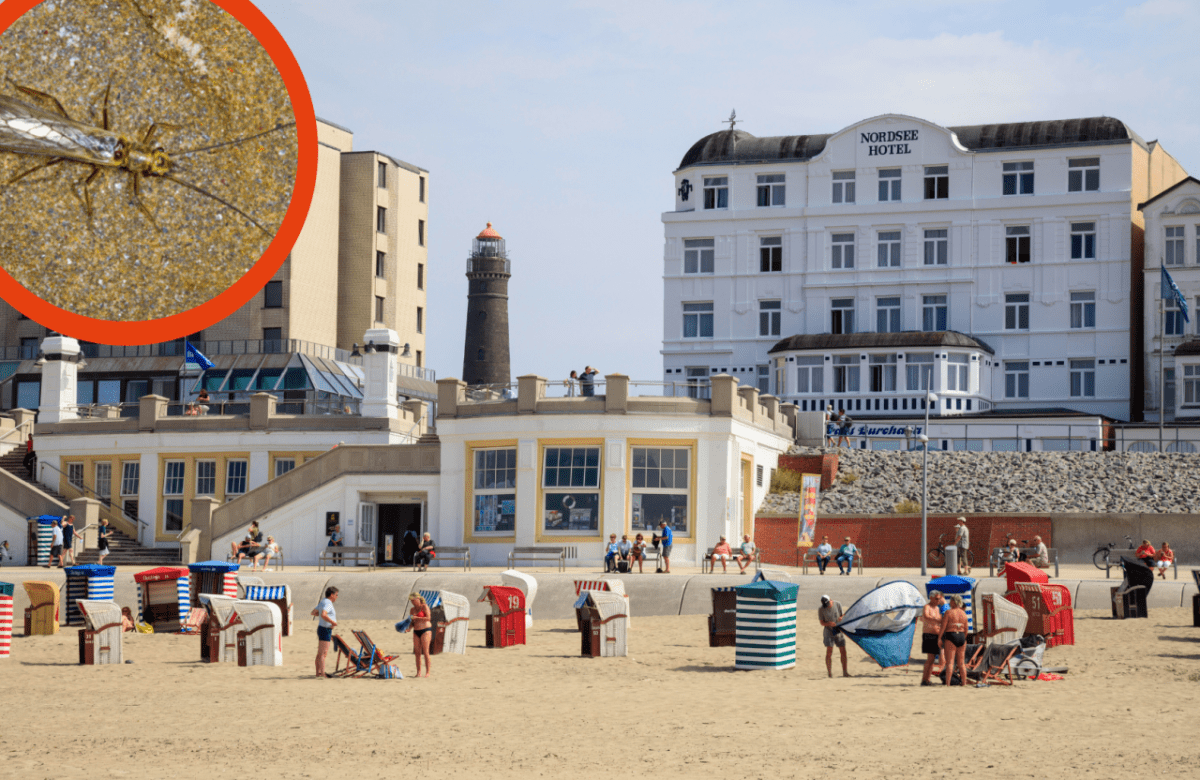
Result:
pixel 883 621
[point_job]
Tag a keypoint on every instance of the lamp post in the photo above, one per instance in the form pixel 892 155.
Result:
pixel 930 400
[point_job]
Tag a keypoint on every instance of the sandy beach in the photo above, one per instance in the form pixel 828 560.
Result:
pixel 675 707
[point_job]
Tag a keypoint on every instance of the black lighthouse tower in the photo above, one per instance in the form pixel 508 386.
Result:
pixel 485 352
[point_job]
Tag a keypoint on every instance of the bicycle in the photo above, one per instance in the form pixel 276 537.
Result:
pixel 937 556
pixel 1102 558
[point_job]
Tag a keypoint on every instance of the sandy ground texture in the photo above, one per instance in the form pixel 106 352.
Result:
pixel 186 63
pixel 675 708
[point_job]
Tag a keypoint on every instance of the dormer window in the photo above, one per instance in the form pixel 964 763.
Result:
pixel 716 192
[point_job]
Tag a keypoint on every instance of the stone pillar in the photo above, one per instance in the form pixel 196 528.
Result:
pixel 262 409
pixel 750 395
pixel 189 547
pixel 86 511
pixel 772 405
pixel 22 416
pixel 724 395
pixel 616 393
pixel 531 388
pixel 150 409
pixel 790 416
pixel 202 512
pixel 59 374
pixel 451 392
pixel 379 364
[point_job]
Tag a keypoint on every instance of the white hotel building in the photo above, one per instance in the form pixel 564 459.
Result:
pixel 1005 261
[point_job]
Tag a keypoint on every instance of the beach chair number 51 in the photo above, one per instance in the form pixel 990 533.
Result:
pixel 514 602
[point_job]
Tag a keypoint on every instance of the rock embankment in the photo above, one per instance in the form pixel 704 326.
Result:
pixel 873 482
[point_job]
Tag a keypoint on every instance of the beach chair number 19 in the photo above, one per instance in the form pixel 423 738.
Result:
pixel 513 602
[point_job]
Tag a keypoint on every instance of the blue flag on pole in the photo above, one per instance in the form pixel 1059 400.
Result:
pixel 1170 290
pixel 196 356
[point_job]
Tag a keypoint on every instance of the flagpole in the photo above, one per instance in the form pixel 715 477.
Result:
pixel 1162 347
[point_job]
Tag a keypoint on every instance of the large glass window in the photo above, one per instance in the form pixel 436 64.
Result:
pixel 206 477
pixel 173 486
pixel 889 184
pixel 235 478
pixel 958 373
pixel 1083 378
pixel 887 314
pixel 698 256
pixel 104 481
pixel 810 374
pixel 1172 318
pixel 1016 379
pixel 571 481
pixel 1016 311
pixel 716 192
pixel 842 250
pixel 883 373
pixel 698 320
pixel 1018 178
pixel 1083 174
pixel 889 249
pixel 771 189
pixel 1083 310
pixel 75 475
pixel 1191 385
pixel 131 477
pixel 937 182
pixel 660 480
pixel 770 254
pixel 1016 244
pixel 1174 246
pixel 918 369
pixel 937 247
pixel 843 186
pixel 934 313
pixel 495 509
pixel 284 465
pixel 841 315
pixel 845 373
pixel 1083 240
pixel 769 315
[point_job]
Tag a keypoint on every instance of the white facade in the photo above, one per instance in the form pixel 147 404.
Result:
pixel 740 276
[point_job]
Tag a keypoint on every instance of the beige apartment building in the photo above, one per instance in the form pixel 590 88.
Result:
pixel 359 263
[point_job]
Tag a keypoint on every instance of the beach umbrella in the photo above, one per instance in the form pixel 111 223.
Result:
pixel 882 622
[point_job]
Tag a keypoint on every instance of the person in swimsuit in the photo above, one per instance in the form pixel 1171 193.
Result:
pixel 422 628
pixel 931 633
pixel 954 638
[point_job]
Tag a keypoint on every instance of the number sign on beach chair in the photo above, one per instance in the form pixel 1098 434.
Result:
pixel 527 585
pixel 1050 612
pixel 100 638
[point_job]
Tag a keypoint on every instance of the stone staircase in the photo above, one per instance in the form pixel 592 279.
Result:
pixel 123 550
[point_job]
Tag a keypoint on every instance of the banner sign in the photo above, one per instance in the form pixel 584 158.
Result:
pixel 810 492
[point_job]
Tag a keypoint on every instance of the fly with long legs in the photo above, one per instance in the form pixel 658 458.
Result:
pixel 29 129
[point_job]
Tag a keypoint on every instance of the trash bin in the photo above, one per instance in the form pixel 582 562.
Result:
pixel 527 585
pixel 218 578
pixel 1000 620
pixel 260 634
pixel 603 585
pixel 6 614
pixel 1050 612
pixel 164 599
pixel 722 623
pixel 89 581
pixel 218 635
pixel 766 625
pixel 41 616
pixel 100 638
pixel 951 585
pixel 1020 571
pixel 603 630
pixel 280 596
pixel 506 625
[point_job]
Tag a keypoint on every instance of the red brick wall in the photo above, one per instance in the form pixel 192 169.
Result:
pixel 825 465
pixel 894 540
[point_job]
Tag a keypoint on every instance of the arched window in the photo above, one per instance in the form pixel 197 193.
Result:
pixel 480 355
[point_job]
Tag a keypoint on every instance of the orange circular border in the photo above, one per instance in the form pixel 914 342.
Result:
pixel 240 292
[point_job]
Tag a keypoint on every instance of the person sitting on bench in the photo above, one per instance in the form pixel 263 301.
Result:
pixel 722 552
pixel 610 553
pixel 425 552
pixel 1041 558
pixel 1164 560
pixel 748 552
pixel 846 555
pixel 625 552
pixel 639 552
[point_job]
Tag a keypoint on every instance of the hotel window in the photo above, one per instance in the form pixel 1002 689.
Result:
pixel 272 343
pixel 780 376
pixel 104 481
pixel 1083 378
pixel 380 219
pixel 420 320
pixel 1083 240
pixel 769 314
pixel 937 182
pixel 771 189
pixel 131 477
pixel 571 480
pixel 380 264
pixel 421 189
pixel 1083 310
pixel 379 308
pixel 75 475
pixel 841 315
pixel 1016 379
pixel 284 465
pixel 918 369
pixel 1083 175
pixel 173 486
pixel 843 186
pixel 716 192
pixel 206 477
pixel 843 250
pixel 698 383
pixel 1016 311
pixel 937 247
pixel 273 295
pixel 889 184
pixel 660 478
pixel 235 478
pixel 420 276
pixel 495 507
pixel 770 254
pixel 934 313
pixel 887 314
pixel 810 374
pixel 1191 385
pixel 382 174
pixel 1016 244
pixel 29 350
pixel 845 373
pixel 698 320
pixel 1018 178
pixel 764 379
pixel 420 232
pixel 883 373
pixel 1174 246
pixel 698 256
pixel 889 249
pixel 1172 318
pixel 957 373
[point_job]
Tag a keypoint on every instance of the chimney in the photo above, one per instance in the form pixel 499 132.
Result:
pixel 59 374
pixel 379 364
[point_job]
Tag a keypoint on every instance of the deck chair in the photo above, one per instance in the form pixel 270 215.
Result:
pixel 993 665
pixel 972 654
pixel 355 664
pixel 373 658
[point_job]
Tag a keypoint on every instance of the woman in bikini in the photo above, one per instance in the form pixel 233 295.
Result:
pixel 954 638
pixel 422 628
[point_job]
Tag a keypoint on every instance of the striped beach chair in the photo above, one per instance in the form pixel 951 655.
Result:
pixel 43 534
pixel 524 583
pixel 6 617
pixel 245 580
pixel 260 636
pixel 89 581
pixel 218 578
pixel 164 597
pixel 954 585
pixel 100 638
pixel 41 616
pixel 218 637
pixel 766 625
pixel 280 596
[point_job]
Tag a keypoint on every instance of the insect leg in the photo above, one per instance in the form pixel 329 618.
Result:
pixel 87 196
pixel 136 181
pixel 107 89
pixel 38 167
pixel 154 128
pixel 44 96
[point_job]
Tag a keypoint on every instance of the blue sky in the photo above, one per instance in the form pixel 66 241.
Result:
pixel 561 122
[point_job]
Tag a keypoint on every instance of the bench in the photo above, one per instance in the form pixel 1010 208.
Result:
pixel 347 554
pixel 276 559
pixel 450 554
pixel 537 554
pixel 810 556
pixel 996 559
pixel 706 564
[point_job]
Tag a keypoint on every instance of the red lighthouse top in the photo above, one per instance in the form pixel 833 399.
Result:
pixel 487 232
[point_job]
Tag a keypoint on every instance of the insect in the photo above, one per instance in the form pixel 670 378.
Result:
pixel 28 129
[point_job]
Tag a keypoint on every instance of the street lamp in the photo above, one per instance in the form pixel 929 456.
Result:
pixel 930 400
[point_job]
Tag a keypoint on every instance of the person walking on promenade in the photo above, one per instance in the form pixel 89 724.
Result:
pixel 68 530
pixel 327 621
pixel 103 532
pixel 665 540
pixel 954 639
pixel 962 538
pixel 30 459
pixel 56 545
pixel 828 614
pixel 931 633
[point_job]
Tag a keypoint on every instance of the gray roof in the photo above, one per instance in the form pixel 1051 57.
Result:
pixel 913 338
pixel 1188 348
pixel 738 146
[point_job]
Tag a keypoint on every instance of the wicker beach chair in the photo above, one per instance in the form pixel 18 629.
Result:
pixel 280 596
pixel 1000 620
pixel 218 638
pixel 524 583
pixel 244 581
pixel 606 584
pixel 458 611
pixel 371 656
pixel 41 616
pixel 260 640
pixel 1050 612
pixel 100 638
pixel 608 635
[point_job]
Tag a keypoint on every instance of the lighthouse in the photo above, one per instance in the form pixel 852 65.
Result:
pixel 485 349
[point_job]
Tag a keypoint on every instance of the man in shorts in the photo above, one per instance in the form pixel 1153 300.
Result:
pixel 962 539
pixel 665 540
pixel 68 530
pixel 748 554
pixel 828 614
pixel 931 633
pixel 56 545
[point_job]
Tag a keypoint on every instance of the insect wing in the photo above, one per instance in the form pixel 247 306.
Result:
pixel 27 129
